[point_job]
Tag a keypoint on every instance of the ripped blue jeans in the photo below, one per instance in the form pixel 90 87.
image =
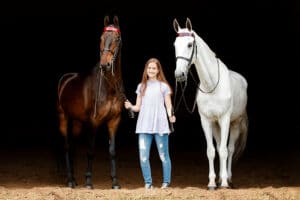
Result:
pixel 162 144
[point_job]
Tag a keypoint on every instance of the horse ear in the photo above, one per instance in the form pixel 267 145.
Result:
pixel 106 20
pixel 116 21
pixel 188 24
pixel 176 25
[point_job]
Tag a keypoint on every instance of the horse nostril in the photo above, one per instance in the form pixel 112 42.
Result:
pixel 108 66
pixel 179 74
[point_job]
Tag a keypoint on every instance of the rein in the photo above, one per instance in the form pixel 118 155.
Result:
pixel 213 89
pixel 189 60
pixel 182 97
pixel 122 94
pixel 99 81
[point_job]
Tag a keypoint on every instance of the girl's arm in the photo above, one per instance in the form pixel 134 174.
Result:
pixel 136 107
pixel 169 107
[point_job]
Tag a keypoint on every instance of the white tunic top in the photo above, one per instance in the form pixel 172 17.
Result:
pixel 152 117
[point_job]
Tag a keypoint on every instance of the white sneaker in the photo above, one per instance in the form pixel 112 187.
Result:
pixel 165 185
pixel 149 186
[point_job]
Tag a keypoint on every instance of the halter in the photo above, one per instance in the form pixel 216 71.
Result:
pixel 111 28
pixel 115 53
pixel 189 60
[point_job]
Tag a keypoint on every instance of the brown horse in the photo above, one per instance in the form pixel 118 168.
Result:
pixel 93 99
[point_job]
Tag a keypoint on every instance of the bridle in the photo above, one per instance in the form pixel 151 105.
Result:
pixel 189 60
pixel 111 65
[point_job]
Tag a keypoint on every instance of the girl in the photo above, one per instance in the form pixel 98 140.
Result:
pixel 153 99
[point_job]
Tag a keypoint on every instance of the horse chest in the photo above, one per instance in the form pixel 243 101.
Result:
pixel 213 107
pixel 110 106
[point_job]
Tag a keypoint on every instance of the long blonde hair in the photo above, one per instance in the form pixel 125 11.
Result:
pixel 160 76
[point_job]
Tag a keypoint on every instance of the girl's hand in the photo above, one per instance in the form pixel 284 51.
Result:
pixel 172 119
pixel 127 104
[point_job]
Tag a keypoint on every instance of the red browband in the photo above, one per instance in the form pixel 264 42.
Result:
pixel 110 28
pixel 185 34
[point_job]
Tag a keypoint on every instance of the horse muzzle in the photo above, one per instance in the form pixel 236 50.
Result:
pixel 107 66
pixel 180 76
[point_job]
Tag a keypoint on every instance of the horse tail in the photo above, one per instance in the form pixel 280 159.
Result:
pixel 242 139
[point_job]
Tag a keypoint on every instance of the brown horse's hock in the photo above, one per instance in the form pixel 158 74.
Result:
pixel 93 99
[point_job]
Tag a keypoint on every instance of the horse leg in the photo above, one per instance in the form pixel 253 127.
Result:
pixel 210 151
pixel 217 137
pixel 69 162
pixel 234 134
pixel 112 128
pixel 224 123
pixel 90 158
pixel 58 148
pixel 63 127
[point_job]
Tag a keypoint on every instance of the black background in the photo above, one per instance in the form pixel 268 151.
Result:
pixel 40 42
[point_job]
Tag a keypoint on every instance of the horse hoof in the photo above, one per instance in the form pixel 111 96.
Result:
pixel 211 188
pixel 231 185
pixel 89 186
pixel 71 184
pixel 223 187
pixel 116 187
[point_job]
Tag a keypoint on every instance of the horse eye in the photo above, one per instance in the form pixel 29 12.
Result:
pixel 190 45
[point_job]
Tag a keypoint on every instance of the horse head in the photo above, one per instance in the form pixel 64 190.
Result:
pixel 110 45
pixel 185 46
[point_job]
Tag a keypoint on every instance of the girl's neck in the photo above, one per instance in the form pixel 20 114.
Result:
pixel 152 79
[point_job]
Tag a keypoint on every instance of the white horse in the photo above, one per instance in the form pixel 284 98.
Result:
pixel 221 101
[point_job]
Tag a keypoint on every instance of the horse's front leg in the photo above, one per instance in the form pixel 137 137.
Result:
pixel 112 128
pixel 217 136
pixel 90 158
pixel 207 128
pixel 224 123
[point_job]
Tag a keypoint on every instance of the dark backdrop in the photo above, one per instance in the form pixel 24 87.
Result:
pixel 260 40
